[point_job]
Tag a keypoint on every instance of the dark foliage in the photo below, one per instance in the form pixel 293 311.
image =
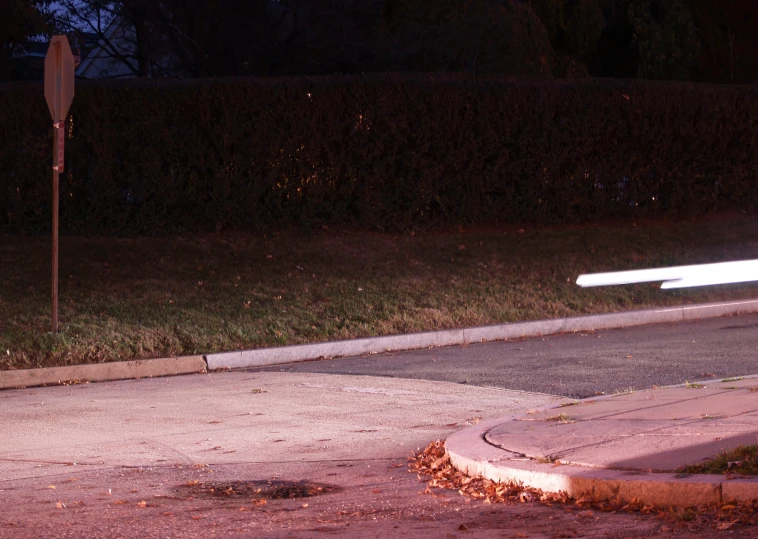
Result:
pixel 381 151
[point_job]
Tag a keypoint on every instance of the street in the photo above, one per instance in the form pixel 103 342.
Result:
pixel 578 365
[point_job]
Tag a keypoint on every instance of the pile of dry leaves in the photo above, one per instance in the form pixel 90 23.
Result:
pixel 432 465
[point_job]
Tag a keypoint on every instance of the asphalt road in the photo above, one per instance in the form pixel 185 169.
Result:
pixel 577 365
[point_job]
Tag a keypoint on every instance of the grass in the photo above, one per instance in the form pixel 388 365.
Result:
pixel 562 418
pixel 742 460
pixel 572 403
pixel 130 298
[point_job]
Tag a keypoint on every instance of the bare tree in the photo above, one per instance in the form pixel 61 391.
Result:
pixel 20 21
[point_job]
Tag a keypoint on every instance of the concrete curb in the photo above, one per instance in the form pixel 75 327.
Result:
pixel 124 370
pixel 356 347
pixel 470 453
pixel 99 372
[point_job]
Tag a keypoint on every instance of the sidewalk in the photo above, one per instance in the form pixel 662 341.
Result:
pixel 622 446
pixel 185 456
pixel 162 457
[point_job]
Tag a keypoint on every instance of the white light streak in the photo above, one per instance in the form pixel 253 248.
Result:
pixel 679 276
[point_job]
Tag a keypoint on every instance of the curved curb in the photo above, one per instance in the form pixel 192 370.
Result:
pixel 470 453
pixel 100 372
pixel 356 347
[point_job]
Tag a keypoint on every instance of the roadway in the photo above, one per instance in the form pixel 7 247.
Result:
pixel 576 365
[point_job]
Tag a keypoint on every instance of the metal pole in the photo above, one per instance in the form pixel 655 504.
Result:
pixel 56 172
pixel 55 234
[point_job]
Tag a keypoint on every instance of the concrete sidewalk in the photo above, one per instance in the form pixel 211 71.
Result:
pixel 139 458
pixel 622 446
pixel 233 417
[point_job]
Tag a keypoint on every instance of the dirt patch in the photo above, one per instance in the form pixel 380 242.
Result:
pixel 262 490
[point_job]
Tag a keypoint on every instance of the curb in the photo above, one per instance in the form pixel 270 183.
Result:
pixel 100 372
pixel 124 370
pixel 355 347
pixel 470 453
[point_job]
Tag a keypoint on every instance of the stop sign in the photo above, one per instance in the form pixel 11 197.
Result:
pixel 59 78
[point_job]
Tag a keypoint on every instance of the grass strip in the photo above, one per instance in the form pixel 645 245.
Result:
pixel 132 298
pixel 742 460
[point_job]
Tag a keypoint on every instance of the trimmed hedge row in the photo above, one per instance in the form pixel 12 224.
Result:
pixel 381 151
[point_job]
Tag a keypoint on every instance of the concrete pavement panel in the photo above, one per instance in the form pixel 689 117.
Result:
pixel 635 449
pixel 232 417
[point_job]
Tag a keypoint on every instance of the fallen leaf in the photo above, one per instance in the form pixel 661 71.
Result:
pixel 60 505
pixel 51 487
pixel 728 507
pixel 143 503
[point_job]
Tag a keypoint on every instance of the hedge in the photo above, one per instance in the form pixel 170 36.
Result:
pixel 385 152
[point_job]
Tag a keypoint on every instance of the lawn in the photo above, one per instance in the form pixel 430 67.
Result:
pixel 130 298
pixel 742 460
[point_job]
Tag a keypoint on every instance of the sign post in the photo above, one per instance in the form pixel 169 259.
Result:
pixel 59 92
